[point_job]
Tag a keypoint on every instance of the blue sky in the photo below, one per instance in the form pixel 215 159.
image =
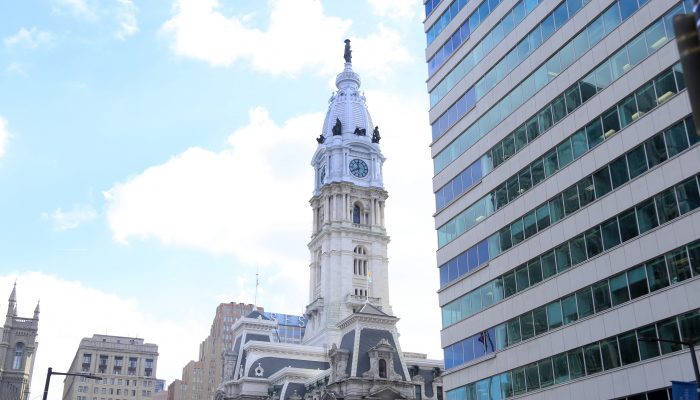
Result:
pixel 155 155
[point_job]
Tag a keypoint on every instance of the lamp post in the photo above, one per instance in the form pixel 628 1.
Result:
pixel 689 344
pixel 50 372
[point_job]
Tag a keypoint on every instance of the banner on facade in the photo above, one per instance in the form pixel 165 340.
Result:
pixel 684 390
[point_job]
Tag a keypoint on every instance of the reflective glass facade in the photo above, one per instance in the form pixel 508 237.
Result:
pixel 567 196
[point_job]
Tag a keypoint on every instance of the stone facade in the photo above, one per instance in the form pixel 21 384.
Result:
pixel 18 347
pixel 126 365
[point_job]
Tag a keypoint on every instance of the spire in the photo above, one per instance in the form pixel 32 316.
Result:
pixel 12 302
pixel 36 310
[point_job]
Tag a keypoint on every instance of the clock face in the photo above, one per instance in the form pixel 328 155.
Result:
pixel 358 168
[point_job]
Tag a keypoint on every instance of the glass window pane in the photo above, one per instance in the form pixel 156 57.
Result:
pixel 594 243
pixel 533 129
pixel 618 289
pixel 601 296
pixel 561 368
pixel 656 150
pixel 676 139
pixel 563 257
pixel 542 216
pixel 637 161
pixel 584 300
pixel 519 381
pixel 629 350
pixel 571 203
pixel 594 132
pixel 678 266
pixel 628 225
pixel 601 181
pixel 537 172
pixel 545 119
pixel 618 172
pixel 585 191
pixel 578 143
pixel 521 278
pixel 690 326
pixel 646 98
pixel 648 349
pixel 593 360
pixel 509 286
pixel 573 98
pixel 535 271
pixel 554 315
pixel 565 153
pixel 546 372
pixel 587 86
pixel 556 209
pixel 578 250
pixel 657 274
pixel 637 279
pixel 637 50
pixel 603 75
pixel 576 369
pixel 568 305
pixel 620 63
pixel 628 111
pixel 595 30
pixel 527 329
pixel 539 316
pixel 688 196
pixel 611 123
pixel 525 180
pixel 694 251
pixel 627 7
pixel 656 36
pixel 530 225
pixel 665 86
pixel 508 146
pixel 646 216
pixel 550 163
pixel 532 377
pixel 669 330
pixel 611 235
pixel 610 353
pixel 513 331
pixel 666 206
pixel 520 138
pixel 549 267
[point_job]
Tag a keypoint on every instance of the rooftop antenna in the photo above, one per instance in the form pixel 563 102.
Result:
pixel 255 300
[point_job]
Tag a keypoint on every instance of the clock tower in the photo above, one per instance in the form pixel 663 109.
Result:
pixel 348 248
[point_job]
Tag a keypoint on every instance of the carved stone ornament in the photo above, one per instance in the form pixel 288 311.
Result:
pixel 259 371
pixel 339 363
pixel 382 353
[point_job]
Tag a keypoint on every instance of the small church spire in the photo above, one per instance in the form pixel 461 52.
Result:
pixel 36 310
pixel 12 302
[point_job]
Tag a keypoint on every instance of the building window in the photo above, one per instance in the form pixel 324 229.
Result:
pixel 19 352
pixel 360 261
pixel 356 211
pixel 419 395
pixel 382 368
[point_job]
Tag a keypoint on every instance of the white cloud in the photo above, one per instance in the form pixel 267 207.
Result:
pixel 248 199
pixel 396 9
pixel 71 311
pixel 126 17
pixel 17 68
pixel 66 220
pixel 4 136
pixel 78 8
pixel 29 38
pixel 298 35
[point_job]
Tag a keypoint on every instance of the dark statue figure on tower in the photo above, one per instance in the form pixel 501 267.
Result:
pixel 375 135
pixel 348 52
pixel 337 128
pixel 360 131
pixel 320 139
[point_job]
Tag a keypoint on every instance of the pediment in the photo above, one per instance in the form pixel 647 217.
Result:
pixel 385 392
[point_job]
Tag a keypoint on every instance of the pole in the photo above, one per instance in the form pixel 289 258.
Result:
pixel 48 380
pixel 689 49
pixel 695 363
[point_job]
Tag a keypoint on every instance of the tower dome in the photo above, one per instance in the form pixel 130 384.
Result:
pixel 348 148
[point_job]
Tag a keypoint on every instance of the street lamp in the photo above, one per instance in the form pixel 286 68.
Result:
pixel 50 372
pixel 689 344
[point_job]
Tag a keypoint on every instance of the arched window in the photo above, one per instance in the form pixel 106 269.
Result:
pixel 19 352
pixel 382 368
pixel 359 262
pixel 356 211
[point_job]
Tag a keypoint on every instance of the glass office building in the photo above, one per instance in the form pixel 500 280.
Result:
pixel 567 173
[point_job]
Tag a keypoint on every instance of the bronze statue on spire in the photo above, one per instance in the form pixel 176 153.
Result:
pixel 348 52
